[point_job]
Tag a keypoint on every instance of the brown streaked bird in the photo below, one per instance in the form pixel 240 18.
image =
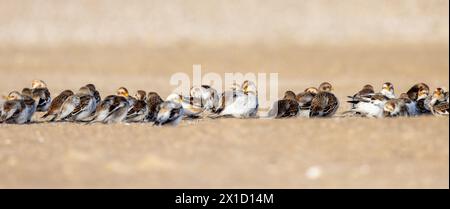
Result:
pixel 139 111
pixel 395 108
pixel 153 102
pixel 113 109
pixel 84 108
pixel 286 107
pixel 413 92
pixel 41 95
pixel 304 100
pixel 55 106
pixel 170 113
pixel 96 94
pixel 367 90
pixel 325 103
pixel 439 102
pixel 14 109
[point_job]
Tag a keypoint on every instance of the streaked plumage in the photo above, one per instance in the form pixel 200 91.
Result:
pixel 286 107
pixel 395 108
pixel 14 110
pixel 113 109
pixel 139 111
pixel 413 92
pixel 41 95
pixel 95 93
pixel 205 97
pixel 82 107
pixel 304 100
pixel 153 102
pixel 325 103
pixel 57 103
pixel 189 110
pixel 439 102
pixel 170 113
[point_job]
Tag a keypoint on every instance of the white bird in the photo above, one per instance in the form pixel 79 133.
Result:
pixel 170 113
pixel 243 104
pixel 14 110
pixel 189 109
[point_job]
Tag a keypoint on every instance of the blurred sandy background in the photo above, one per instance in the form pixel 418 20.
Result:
pixel 140 44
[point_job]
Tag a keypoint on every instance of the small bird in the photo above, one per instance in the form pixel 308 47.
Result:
pixel 96 94
pixel 30 104
pixel 14 109
pixel 153 102
pixel 139 110
pixel 286 107
pixel 395 108
pixel 205 97
pixel 365 91
pixel 57 103
pixel 304 100
pixel 170 113
pixel 85 105
pixel 41 95
pixel 325 103
pixel 388 90
pixel 410 104
pixel 413 92
pixel 423 101
pixel 439 103
pixel 189 110
pixel 368 106
pixel 113 109
pixel 123 92
pixel 243 104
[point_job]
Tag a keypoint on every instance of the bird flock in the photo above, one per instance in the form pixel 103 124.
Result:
pixel 239 101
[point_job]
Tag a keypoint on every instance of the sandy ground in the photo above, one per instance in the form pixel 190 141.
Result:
pixel 228 153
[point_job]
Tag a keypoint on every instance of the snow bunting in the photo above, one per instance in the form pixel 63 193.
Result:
pixel 244 102
pixel 29 102
pixel 96 94
pixel 410 104
pixel 14 109
pixel 189 110
pixel 439 102
pixel 324 103
pixel 304 100
pixel 153 102
pixel 395 108
pixel 388 90
pixel 41 95
pixel 169 113
pixel 113 109
pixel 85 105
pixel 205 97
pixel 139 111
pixel 369 105
pixel 57 103
pixel 123 92
pixel 365 91
pixel 287 107
pixel 413 92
